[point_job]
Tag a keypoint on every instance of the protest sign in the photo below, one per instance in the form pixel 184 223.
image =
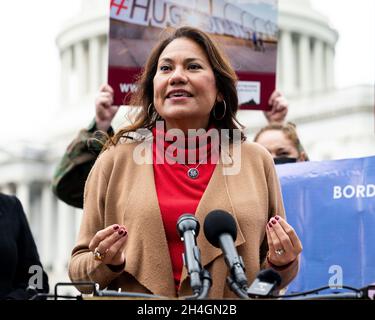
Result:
pixel 245 29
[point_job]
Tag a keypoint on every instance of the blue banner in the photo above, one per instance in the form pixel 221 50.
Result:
pixel 331 205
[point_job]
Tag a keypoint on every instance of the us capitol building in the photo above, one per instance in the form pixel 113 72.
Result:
pixel 332 123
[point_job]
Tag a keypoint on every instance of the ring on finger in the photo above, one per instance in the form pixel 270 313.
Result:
pixel 99 256
pixel 280 251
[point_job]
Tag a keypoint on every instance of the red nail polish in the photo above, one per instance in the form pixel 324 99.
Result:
pixel 273 221
pixel 121 231
pixel 115 227
pixel 270 224
pixel 277 217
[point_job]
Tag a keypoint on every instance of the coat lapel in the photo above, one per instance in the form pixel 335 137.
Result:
pixel 216 196
pixel 152 268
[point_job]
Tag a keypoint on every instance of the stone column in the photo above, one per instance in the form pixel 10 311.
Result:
pixel 329 66
pixel 318 72
pixel 23 193
pixel 48 227
pixel 66 69
pixel 65 236
pixel 287 67
pixel 6 189
pixel 104 59
pixel 94 64
pixel 304 64
pixel 80 65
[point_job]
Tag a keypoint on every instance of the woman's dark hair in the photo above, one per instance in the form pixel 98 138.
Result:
pixel 225 77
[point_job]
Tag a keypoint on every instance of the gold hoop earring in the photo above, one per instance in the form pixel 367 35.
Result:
pixel 225 111
pixel 155 115
pixel 148 110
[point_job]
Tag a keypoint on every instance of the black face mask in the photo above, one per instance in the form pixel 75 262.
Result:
pixel 283 160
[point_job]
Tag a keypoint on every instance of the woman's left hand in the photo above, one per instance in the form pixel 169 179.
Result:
pixel 283 242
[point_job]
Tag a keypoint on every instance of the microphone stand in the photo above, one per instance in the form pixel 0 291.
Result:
pixel 113 293
pixel 333 296
pixel 362 293
pixel 55 295
pixel 234 286
pixel 206 280
pixel 200 279
pixel 237 281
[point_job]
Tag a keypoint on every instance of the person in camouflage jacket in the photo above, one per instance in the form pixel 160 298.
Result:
pixel 71 173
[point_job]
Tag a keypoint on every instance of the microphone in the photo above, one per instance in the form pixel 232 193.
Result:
pixel 264 284
pixel 188 229
pixel 221 231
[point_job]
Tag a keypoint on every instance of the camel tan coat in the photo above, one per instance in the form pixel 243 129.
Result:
pixel 118 190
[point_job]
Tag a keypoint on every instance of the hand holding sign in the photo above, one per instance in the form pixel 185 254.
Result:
pixel 104 110
pixel 279 108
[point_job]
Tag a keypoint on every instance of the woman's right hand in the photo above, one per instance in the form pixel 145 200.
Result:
pixel 108 245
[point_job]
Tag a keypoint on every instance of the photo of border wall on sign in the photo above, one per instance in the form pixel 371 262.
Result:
pixel 245 29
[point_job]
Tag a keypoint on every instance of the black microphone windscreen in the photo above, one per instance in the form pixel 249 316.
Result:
pixel 269 276
pixel 218 222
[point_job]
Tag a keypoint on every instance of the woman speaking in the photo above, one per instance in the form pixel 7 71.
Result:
pixel 134 195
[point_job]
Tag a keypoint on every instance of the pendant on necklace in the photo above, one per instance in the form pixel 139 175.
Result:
pixel 193 173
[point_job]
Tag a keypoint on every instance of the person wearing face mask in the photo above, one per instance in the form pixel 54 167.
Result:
pixel 151 172
pixel 282 142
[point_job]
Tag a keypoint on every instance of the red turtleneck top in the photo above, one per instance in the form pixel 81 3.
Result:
pixel 177 192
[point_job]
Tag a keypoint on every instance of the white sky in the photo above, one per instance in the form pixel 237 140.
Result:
pixel 29 64
pixel 29 61
pixel 355 50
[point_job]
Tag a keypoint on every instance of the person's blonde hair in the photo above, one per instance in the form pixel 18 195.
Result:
pixel 290 131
